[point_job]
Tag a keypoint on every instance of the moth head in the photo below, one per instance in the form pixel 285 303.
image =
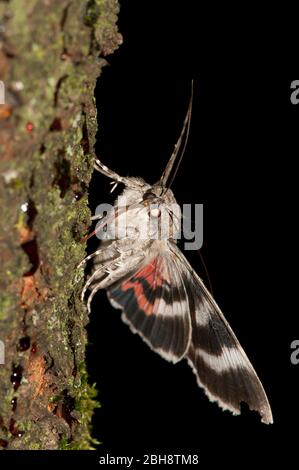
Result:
pixel 162 210
pixel 153 194
pixel 157 195
pixel 148 212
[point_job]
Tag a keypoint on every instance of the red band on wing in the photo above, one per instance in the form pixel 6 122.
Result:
pixel 155 274
pixel 141 299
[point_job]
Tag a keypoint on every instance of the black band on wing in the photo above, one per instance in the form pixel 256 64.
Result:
pixel 158 332
pixel 213 335
pixel 217 358
pixel 231 387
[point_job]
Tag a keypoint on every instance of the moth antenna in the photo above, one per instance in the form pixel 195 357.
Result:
pixel 99 166
pixel 185 129
pixel 115 177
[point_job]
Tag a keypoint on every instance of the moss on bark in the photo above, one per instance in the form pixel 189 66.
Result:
pixel 52 53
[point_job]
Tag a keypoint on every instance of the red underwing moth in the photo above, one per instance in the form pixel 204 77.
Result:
pixel 161 297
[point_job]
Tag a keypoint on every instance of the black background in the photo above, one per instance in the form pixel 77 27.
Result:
pixel 240 163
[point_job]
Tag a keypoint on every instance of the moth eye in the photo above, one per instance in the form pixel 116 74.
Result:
pixel 148 195
pixel 156 212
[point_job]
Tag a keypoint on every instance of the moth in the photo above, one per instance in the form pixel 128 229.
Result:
pixel 161 297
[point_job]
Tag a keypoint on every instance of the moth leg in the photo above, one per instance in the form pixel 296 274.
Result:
pixel 93 293
pixel 102 269
pixel 101 251
pixel 107 258
pixel 118 269
pixel 87 258
pixel 99 285
pixel 99 166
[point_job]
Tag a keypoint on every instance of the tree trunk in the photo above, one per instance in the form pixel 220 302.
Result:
pixel 51 55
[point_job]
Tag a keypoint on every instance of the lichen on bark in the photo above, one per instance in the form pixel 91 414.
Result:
pixel 50 57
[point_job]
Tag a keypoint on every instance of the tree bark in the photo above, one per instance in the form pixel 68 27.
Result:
pixel 51 55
